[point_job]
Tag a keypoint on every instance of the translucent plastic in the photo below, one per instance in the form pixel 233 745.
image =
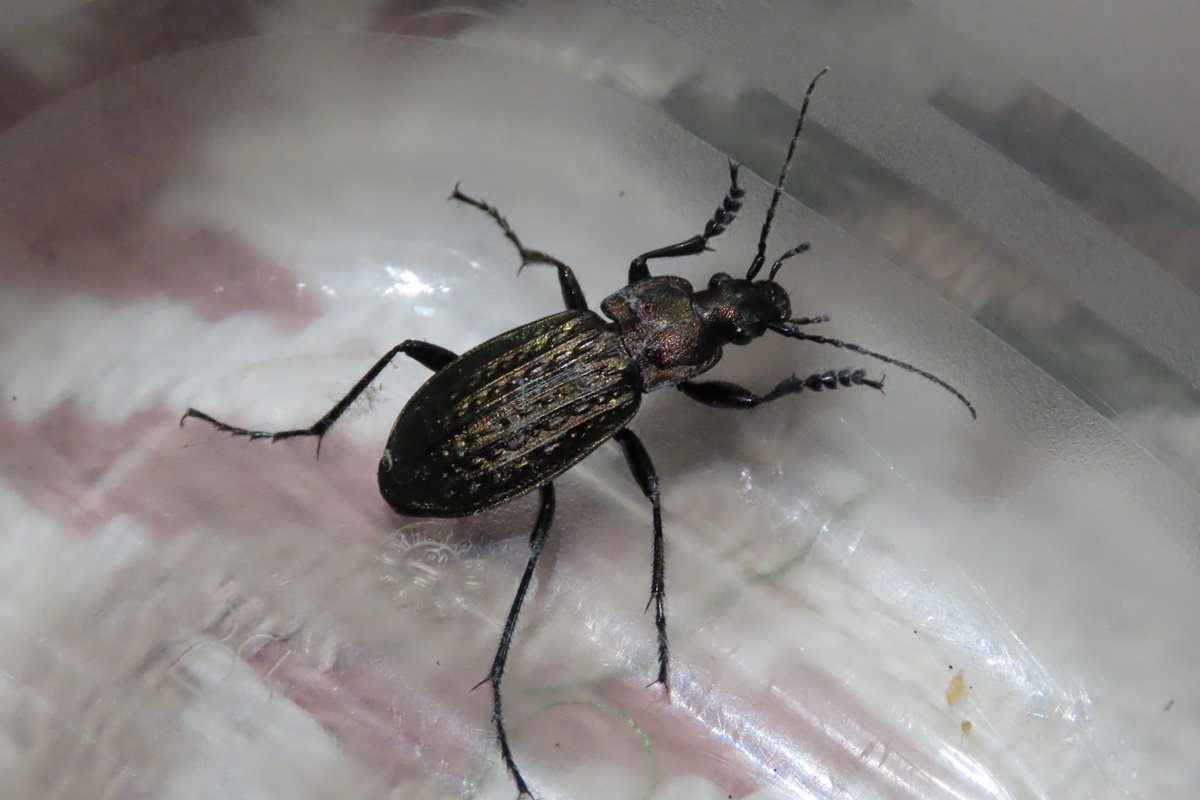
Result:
pixel 869 596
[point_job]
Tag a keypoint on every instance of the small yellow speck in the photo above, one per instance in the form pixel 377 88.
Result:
pixel 954 691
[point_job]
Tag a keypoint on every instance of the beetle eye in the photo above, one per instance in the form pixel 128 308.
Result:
pixel 718 279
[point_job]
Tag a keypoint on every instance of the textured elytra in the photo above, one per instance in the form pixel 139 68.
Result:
pixel 509 415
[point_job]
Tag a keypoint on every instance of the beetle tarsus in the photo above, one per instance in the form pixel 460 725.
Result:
pixel 572 293
pixel 731 204
pixel 788 329
pixel 647 479
pixel 723 394
pixel 424 353
pixel 232 430
pixel 666 687
pixel 537 541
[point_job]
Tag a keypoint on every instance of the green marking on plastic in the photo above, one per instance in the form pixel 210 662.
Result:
pixel 843 513
pixel 726 597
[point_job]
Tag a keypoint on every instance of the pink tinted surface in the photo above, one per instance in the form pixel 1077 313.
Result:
pixel 245 229
pixel 79 205
pixel 227 555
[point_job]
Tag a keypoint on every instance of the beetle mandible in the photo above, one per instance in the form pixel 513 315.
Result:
pixel 514 413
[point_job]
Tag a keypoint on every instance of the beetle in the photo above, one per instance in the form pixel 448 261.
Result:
pixel 512 414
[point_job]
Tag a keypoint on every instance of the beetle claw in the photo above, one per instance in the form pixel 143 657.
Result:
pixel 666 687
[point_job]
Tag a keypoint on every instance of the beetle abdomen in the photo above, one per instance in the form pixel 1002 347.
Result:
pixel 508 416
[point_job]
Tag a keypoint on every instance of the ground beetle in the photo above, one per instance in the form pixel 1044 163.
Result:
pixel 517 411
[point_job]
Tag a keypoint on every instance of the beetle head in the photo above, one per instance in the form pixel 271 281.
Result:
pixel 738 310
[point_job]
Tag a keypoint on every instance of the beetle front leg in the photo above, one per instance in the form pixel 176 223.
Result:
pixel 429 355
pixel 722 394
pixel 537 541
pixel 647 479
pixel 721 219
pixel 571 292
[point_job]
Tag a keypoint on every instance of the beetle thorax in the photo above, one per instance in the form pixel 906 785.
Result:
pixel 662 330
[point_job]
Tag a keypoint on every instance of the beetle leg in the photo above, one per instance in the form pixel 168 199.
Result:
pixel 790 329
pixel 429 355
pixel 571 292
pixel 537 541
pixel 647 478
pixel 721 394
pixel 721 219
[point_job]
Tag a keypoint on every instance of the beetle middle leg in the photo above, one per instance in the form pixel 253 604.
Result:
pixel 571 292
pixel 647 478
pixel 429 355
pixel 721 219
pixel 722 394
pixel 537 542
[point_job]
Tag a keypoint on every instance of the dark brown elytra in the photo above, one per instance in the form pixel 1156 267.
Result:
pixel 512 414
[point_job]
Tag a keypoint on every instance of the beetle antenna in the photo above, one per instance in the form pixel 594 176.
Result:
pixel 757 264
pixel 788 329
pixel 795 251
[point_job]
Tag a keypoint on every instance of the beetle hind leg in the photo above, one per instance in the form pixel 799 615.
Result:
pixel 537 541
pixel 571 292
pixel 643 472
pixel 429 355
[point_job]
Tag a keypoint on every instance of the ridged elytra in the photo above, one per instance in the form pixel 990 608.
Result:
pixel 510 415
